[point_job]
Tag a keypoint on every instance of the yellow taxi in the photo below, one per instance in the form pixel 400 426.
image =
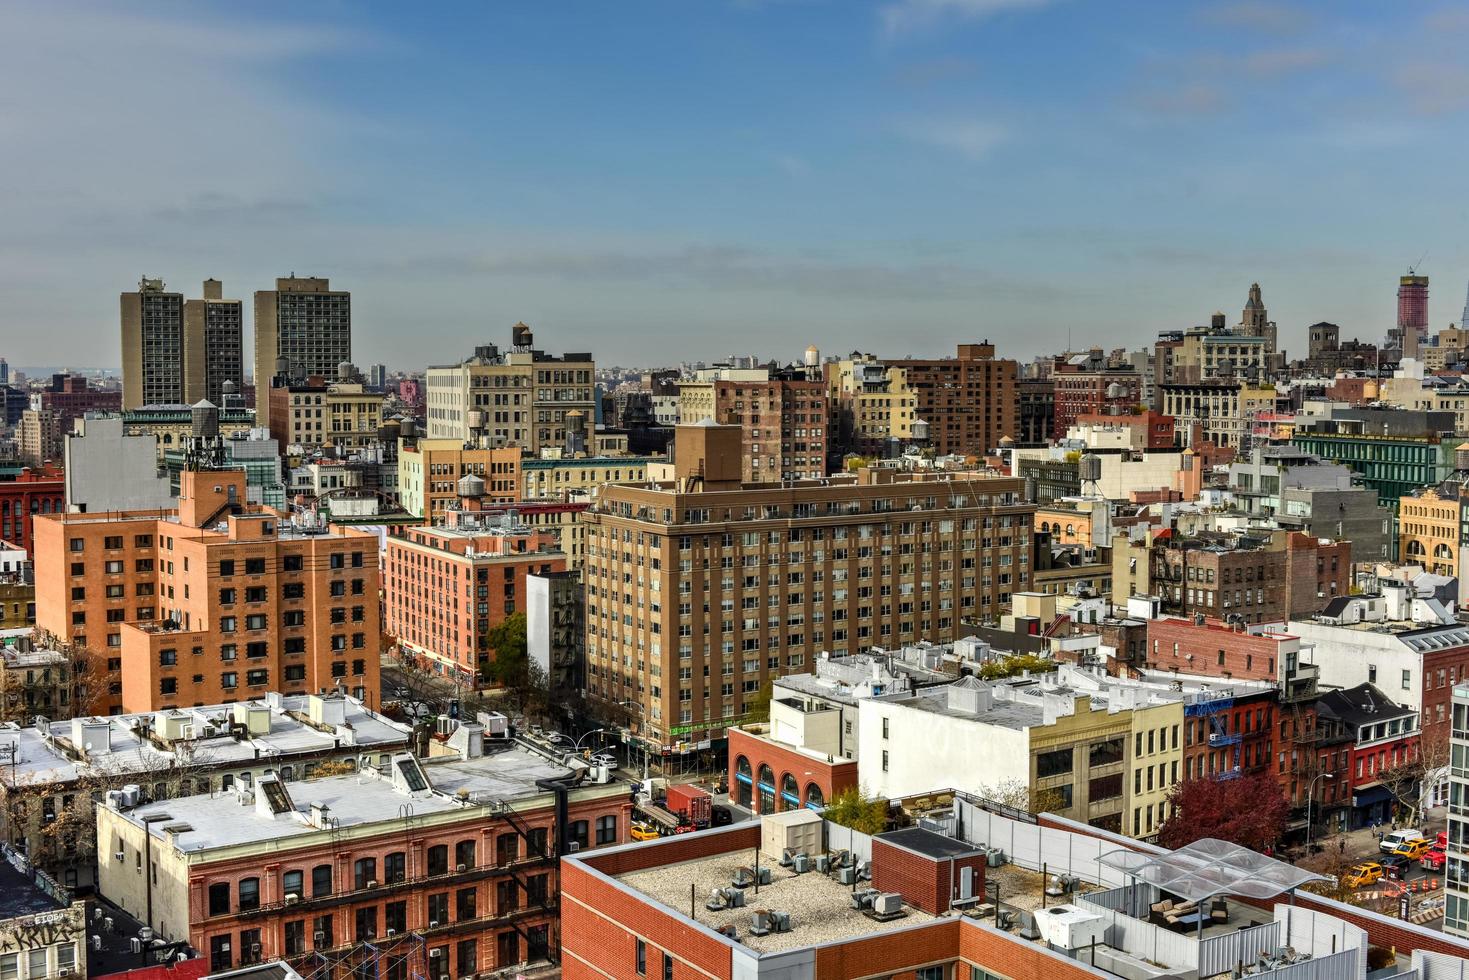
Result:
pixel 1362 874
pixel 1413 849
pixel 644 831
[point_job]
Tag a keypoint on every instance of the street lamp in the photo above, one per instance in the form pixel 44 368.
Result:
pixel 1310 789
pixel 576 746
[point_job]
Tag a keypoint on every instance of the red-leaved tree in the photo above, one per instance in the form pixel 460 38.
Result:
pixel 1250 811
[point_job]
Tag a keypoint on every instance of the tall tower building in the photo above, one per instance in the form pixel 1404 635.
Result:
pixel 152 345
pixel 214 345
pixel 175 352
pixel 1255 320
pixel 1412 312
pixel 303 327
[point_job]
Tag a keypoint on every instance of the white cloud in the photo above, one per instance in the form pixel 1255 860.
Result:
pixel 903 16
pixel 971 138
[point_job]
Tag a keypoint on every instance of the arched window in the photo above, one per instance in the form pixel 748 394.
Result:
pixel 249 894
pixel 1071 530
pixel 1415 547
pixel 395 867
pixel 767 789
pixel 1443 551
pixel 464 853
pixel 364 873
pixel 743 781
pixel 814 796
pixel 790 793
pixel 438 859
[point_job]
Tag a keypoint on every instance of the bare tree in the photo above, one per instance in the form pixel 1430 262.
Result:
pixel 1408 782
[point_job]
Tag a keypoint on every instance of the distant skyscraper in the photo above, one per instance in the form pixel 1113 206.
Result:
pixel 1463 325
pixel 176 352
pixel 1255 320
pixel 4 372
pixel 220 324
pixel 378 375
pixel 1412 312
pixel 303 328
pixel 152 345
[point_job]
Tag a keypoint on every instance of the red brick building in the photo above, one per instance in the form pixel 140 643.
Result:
pixel 612 927
pixel 70 397
pixel 24 495
pixel 449 867
pixel 767 775
pixel 1157 429
pixel 1107 393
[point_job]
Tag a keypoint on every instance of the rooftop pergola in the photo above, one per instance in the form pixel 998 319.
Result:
pixel 1211 868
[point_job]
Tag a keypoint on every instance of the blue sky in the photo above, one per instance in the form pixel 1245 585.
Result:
pixel 666 180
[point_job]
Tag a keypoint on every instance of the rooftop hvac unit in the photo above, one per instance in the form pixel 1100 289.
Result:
pixel 716 902
pixel 1070 927
pixel 762 875
pixel 847 876
pixel 863 899
pixel 802 863
pixel 887 903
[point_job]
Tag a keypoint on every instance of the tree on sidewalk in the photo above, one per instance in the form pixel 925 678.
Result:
pixel 1249 811
pixel 1408 781
pixel 526 685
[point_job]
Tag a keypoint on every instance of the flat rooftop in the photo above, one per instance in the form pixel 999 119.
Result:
pixel 21 896
pixel 820 907
pixel 927 842
pixel 215 820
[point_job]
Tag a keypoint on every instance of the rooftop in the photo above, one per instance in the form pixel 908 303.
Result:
pixel 62 751
pixel 819 906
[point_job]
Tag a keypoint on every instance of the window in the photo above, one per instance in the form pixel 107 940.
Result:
pixel 367 922
pixel 438 909
pixel 291 882
pixel 929 973
pixel 464 902
pixel 1407 680
pixel 668 968
pixel 464 854
pixel 1054 763
pixel 36 963
pixel 219 898
pixel 438 859
pixel 249 894
pixel 227 567
pixel 363 872
pixel 578 833
pixel 295 937
pixel 606 830
pixel 254 566
pixel 321 880
pixel 395 917
pixel 642 958
pixel 395 867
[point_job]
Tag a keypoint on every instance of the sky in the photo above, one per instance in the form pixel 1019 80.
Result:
pixel 688 179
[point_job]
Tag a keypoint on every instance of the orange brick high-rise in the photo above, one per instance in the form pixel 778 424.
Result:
pixel 220 601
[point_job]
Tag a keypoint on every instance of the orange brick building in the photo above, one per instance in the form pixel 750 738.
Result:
pixel 445 588
pixel 782 422
pixel 969 401
pixel 218 601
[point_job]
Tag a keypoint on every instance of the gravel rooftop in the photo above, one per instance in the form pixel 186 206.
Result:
pixel 820 908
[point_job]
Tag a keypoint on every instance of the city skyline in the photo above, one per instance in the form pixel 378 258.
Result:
pixel 902 175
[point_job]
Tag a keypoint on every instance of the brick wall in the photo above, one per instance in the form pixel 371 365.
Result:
pixel 1246 656
pixel 828 777
pixel 922 881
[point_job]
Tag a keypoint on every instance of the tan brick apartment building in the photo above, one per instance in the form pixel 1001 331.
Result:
pixel 969 401
pixel 216 602
pixel 701 590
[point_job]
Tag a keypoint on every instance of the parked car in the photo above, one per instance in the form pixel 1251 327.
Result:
pixel 1412 849
pixel 1433 859
pixel 1396 867
pixel 644 831
pixel 1390 842
pixel 1362 874
pixel 605 759
pixel 720 816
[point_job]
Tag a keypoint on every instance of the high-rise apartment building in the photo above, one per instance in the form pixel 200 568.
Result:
pixel 429 471
pixel 341 414
pixel 969 402
pixel 177 351
pixel 783 421
pixel 219 601
pixel 702 589
pixel 1412 312
pixel 870 406
pixel 217 367
pixel 152 346
pixel 521 397
pixel 303 329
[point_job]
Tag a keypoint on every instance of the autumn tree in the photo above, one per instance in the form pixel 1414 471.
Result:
pixel 1018 795
pixel 525 683
pixel 1250 811
pixel 1014 666
pixel 1332 861
pixel 855 809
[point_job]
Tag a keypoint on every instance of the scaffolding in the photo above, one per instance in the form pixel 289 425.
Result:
pixel 402 957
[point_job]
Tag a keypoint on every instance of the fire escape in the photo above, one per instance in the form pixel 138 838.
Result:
pixel 538 890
